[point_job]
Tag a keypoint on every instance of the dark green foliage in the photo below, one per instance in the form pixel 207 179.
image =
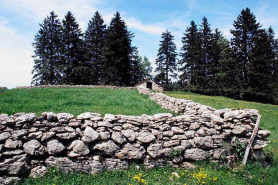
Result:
pixel 94 41
pixel 166 57
pixel 72 51
pixel 116 64
pixel 47 52
pixel 190 53
pixel 145 66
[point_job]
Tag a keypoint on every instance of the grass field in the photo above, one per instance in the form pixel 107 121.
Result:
pixel 76 101
pixel 129 102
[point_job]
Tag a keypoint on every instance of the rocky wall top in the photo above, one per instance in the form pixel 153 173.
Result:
pixel 75 86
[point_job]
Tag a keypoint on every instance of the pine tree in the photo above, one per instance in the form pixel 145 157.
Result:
pixel 190 55
pixel 206 57
pixel 73 51
pixel 166 57
pixel 145 67
pixel 136 74
pixel 116 64
pixel 245 35
pixel 47 52
pixel 94 40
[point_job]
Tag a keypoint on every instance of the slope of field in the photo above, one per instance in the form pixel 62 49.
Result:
pixel 269 112
pixel 76 101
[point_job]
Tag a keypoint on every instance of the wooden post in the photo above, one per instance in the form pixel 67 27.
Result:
pixel 251 140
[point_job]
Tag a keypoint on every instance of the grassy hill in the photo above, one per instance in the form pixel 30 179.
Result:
pixel 76 101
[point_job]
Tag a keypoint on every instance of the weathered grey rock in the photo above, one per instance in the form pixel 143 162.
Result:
pixel 34 147
pixel 88 115
pixel 168 133
pixel 129 134
pixel 177 130
pixel 239 130
pixel 6 120
pixel 66 136
pixel 9 180
pixel 115 164
pixel 67 165
pixel 171 143
pixel 162 116
pixel 1 147
pixel 217 153
pixel 16 165
pixel 259 144
pixel 179 137
pixel 186 143
pixel 194 126
pixel 118 128
pixel 196 154
pixel 35 135
pixel 79 147
pixel 216 119
pixel 104 124
pixel 90 135
pixel 189 134
pixel 131 152
pixel 203 142
pixel 104 135
pixel 72 154
pixel 74 123
pixel 69 129
pixel 4 136
pixel 38 171
pixel 13 152
pixel 23 117
pixel 19 133
pixel 64 117
pixel 264 133
pixel 154 150
pixel 55 147
pixel 109 117
pixel 47 135
pixel 145 137
pixel 105 147
pixel 118 137
pixel 50 116
pixel 13 144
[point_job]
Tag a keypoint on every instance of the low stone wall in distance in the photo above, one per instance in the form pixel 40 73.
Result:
pixel 75 86
pixel 91 143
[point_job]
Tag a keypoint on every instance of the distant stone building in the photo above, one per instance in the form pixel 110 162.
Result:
pixel 148 83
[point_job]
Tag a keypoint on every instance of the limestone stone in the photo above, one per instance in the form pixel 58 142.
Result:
pixel 90 135
pixel 35 135
pixel 154 150
pixel 38 171
pixel 189 134
pixel 239 130
pixel 203 142
pixel 46 136
pixel 186 143
pixel 34 147
pixel 177 130
pixel 131 152
pixel 79 147
pixel 64 117
pixel 4 136
pixel 129 134
pixel 66 136
pixel 106 147
pixel 194 126
pixel 264 133
pixel 88 115
pixel 104 124
pixel 50 116
pixel 9 180
pixel 13 144
pixel 118 137
pixel 109 117
pixel 171 143
pixel 23 117
pixel 104 135
pixel 55 147
pixel 145 137
pixel 13 152
pixel 196 154
pixel 6 120
pixel 16 165
pixel 19 133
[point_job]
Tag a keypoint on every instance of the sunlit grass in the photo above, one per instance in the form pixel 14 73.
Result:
pixel 76 101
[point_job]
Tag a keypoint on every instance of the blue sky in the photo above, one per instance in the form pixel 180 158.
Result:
pixel 147 19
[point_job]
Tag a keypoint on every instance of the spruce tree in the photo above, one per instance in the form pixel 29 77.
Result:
pixel 136 74
pixel 94 40
pixel 47 52
pixel 73 51
pixel 190 55
pixel 245 35
pixel 166 57
pixel 145 67
pixel 116 64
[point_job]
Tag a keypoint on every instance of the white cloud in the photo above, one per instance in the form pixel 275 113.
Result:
pixel 15 57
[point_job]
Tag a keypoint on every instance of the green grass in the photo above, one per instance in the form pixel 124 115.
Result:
pixel 76 101
pixel 206 173
pixel 269 112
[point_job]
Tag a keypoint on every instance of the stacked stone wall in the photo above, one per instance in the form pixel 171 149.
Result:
pixel 91 143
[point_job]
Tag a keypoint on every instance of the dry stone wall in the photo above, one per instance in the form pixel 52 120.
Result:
pixel 75 86
pixel 91 143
